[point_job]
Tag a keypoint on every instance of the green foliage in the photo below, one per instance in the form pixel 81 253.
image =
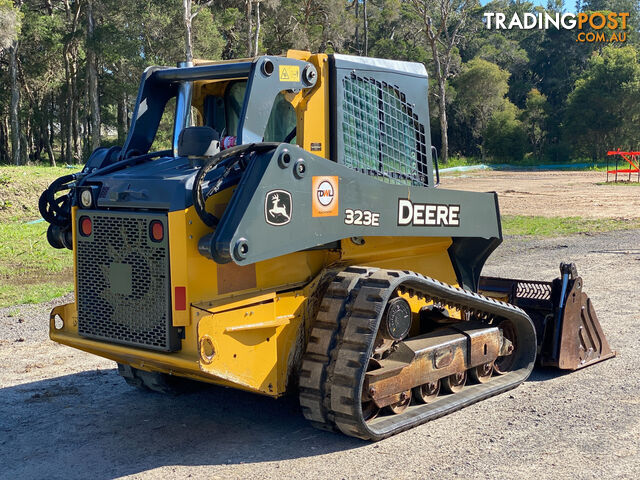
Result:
pixel 481 90
pixel 573 96
pixel 534 119
pixel 505 137
pixel 10 21
pixel 600 112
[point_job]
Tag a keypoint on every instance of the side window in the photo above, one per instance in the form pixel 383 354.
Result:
pixel 164 135
pixel 381 134
pixel 233 100
pixel 282 121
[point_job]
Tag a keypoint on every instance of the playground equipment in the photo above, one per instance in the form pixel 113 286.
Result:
pixel 632 158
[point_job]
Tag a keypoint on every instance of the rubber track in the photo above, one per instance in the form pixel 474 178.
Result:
pixel 315 373
pixel 341 344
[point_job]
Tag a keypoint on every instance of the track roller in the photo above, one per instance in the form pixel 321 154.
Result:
pixel 427 392
pixel 371 378
pixel 454 383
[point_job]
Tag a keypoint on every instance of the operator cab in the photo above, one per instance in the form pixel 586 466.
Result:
pixel 241 103
pixel 370 115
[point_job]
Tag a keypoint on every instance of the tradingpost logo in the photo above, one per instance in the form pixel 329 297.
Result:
pixel 608 27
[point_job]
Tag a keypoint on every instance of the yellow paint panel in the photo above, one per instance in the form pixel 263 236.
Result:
pixel 255 344
pixel 245 357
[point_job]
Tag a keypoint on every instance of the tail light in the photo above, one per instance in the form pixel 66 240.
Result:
pixel 86 227
pixel 156 231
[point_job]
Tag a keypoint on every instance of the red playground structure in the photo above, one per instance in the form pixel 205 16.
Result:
pixel 632 158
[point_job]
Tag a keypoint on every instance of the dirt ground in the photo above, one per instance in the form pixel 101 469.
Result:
pixel 552 194
pixel 67 414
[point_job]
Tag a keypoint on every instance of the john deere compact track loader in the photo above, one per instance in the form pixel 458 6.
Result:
pixel 292 238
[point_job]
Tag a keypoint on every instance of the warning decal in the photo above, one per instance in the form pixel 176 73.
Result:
pixel 289 73
pixel 324 201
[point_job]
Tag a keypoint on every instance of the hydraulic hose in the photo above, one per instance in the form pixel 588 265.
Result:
pixel 240 151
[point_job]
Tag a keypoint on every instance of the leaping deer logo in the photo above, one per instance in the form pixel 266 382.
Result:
pixel 278 207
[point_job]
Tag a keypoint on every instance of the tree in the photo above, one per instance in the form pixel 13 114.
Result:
pixel 534 118
pixel 10 16
pixel 482 87
pixel 9 24
pixel 316 25
pixel 189 15
pixel 92 78
pixel 601 110
pixel 504 137
pixel 443 22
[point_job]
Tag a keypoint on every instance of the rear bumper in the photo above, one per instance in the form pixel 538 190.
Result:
pixel 179 363
pixel 252 343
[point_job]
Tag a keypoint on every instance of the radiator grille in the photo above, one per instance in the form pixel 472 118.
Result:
pixel 123 281
pixel 382 135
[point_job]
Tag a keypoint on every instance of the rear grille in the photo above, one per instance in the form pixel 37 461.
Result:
pixel 123 281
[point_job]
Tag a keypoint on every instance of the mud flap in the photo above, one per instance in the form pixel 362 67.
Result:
pixel 569 333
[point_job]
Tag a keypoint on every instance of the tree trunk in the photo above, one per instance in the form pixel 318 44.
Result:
pixel 255 50
pixel 52 157
pixel 366 27
pixel 50 120
pixel 73 148
pixel 188 46
pixel 92 80
pixel 23 151
pixel 66 103
pixel 44 137
pixel 357 33
pixel 4 140
pixel 249 29
pixel 75 107
pixel 444 136
pixel 15 103
pixel 122 118
pixel 442 102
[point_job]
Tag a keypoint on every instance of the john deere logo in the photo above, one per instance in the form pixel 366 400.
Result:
pixel 277 207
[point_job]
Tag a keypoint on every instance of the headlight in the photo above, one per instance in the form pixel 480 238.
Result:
pixel 86 199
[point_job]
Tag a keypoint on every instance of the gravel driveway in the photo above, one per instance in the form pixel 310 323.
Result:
pixel 67 414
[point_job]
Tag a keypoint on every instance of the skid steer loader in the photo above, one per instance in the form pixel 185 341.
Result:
pixel 292 238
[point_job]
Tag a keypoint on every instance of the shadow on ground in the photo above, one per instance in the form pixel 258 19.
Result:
pixel 91 424
pixel 541 374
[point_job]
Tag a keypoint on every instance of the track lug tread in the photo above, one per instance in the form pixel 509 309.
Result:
pixel 342 341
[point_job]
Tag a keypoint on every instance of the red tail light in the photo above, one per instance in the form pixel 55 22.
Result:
pixel 86 227
pixel 156 230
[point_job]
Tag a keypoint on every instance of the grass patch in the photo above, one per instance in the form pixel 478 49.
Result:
pixel 459 161
pixel 20 189
pixel 32 293
pixel 620 184
pixel 559 226
pixel 31 271
pixel 455 161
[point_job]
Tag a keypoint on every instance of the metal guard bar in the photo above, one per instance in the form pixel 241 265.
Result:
pixel 222 70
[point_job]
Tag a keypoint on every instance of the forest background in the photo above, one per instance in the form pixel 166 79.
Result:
pixel 70 69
